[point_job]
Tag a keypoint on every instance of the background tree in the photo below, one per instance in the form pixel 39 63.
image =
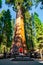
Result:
pixel 13 27
pixel 38 30
pixel 5 28
pixel 0 3
pixel 37 2
pixel 28 30
pixel 1 27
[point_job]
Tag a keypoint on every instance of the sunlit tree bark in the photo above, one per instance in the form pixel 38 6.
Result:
pixel 19 36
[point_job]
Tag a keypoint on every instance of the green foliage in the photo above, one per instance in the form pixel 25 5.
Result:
pixel 38 30
pixel 1 28
pixel 13 27
pixel 37 3
pixel 40 46
pixel 28 30
pixel 26 4
pixel 0 3
pixel 5 28
pixel 33 30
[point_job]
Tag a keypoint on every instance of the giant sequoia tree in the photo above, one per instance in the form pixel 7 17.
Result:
pixel 20 7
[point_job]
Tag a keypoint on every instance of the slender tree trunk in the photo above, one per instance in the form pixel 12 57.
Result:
pixel 19 36
pixel 40 51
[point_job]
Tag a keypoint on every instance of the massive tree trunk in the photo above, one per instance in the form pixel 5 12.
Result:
pixel 19 36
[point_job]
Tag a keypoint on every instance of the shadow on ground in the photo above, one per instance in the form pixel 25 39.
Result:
pixel 9 62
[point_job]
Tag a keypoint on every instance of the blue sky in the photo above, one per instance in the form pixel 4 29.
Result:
pixel 37 10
